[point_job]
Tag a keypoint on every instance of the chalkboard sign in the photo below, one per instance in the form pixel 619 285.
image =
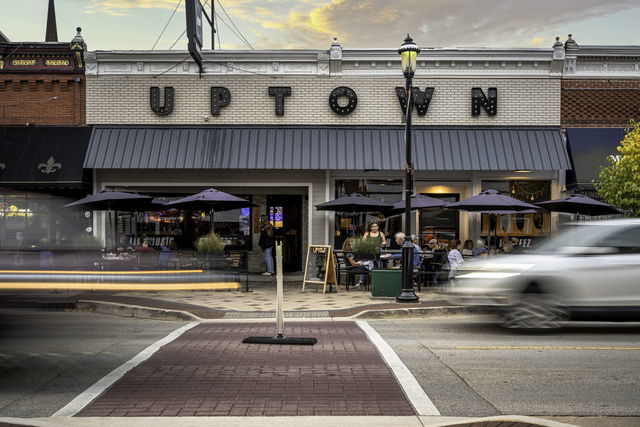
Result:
pixel 320 267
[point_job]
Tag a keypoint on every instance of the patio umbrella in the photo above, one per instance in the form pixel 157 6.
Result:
pixel 579 204
pixel 211 200
pixel 493 203
pixel 491 200
pixel 353 203
pixel 108 200
pixel 418 202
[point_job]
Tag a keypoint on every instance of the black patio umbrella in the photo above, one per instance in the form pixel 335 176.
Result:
pixel 211 200
pixel 419 202
pixel 108 200
pixel 492 200
pixel 353 203
pixel 579 204
pixel 493 203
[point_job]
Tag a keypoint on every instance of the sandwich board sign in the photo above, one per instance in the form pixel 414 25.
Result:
pixel 320 268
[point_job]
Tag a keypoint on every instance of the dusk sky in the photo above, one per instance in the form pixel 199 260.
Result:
pixel 312 24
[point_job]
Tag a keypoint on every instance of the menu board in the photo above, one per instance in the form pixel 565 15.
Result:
pixel 320 267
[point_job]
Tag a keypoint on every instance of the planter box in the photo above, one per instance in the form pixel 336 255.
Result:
pixel 386 283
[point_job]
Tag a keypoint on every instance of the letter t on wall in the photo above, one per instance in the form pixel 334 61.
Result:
pixel 280 92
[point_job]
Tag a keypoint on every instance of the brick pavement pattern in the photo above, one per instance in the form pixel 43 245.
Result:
pixel 209 372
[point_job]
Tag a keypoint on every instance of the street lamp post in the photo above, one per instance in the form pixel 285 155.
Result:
pixel 409 53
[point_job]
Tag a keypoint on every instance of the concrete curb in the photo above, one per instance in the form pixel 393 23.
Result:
pixel 141 312
pixel 397 313
pixel 137 311
pixel 313 421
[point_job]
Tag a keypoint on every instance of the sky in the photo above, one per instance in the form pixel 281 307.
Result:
pixel 312 24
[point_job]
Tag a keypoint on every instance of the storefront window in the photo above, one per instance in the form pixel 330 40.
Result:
pixel 39 221
pixel 438 223
pixel 527 228
pixel 384 190
pixel 182 227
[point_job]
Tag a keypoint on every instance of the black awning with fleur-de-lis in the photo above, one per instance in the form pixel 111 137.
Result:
pixel 43 156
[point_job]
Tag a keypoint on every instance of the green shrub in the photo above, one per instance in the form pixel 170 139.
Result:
pixel 366 246
pixel 211 243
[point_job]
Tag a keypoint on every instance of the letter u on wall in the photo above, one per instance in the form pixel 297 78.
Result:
pixel 154 100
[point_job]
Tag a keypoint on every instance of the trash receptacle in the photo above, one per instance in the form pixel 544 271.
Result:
pixel 386 283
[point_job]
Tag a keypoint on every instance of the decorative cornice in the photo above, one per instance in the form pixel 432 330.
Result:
pixel 338 61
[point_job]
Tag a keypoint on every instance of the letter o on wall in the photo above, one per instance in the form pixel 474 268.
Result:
pixel 351 96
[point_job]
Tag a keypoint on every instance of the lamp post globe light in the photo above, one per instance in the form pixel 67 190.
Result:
pixel 409 54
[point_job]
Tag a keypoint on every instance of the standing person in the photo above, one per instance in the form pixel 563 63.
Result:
pixel 374 233
pixel 455 258
pixel 266 243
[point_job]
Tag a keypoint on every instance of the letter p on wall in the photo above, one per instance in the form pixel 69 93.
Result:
pixel 220 97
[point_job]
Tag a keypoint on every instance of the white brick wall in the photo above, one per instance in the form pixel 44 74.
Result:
pixel 125 100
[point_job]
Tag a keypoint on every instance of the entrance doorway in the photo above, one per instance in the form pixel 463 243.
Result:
pixel 285 214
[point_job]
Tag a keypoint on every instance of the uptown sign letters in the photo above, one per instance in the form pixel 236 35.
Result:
pixel 221 98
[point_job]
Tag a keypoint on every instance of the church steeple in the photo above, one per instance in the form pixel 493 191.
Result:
pixel 52 29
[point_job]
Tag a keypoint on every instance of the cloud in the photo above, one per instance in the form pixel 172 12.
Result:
pixel 537 41
pixel 380 23
pixel 121 7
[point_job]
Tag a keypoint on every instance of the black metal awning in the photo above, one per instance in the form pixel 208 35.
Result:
pixel 589 149
pixel 335 148
pixel 43 157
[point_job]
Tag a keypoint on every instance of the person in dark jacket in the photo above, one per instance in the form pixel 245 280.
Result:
pixel 266 243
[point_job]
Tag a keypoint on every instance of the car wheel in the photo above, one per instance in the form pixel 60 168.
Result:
pixel 535 311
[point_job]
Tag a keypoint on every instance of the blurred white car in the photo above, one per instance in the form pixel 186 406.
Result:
pixel 590 271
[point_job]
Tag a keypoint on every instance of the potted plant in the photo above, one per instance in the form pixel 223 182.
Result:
pixel 366 249
pixel 210 248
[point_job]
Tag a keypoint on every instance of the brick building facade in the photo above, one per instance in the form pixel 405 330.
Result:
pixel 600 95
pixel 292 129
pixel 42 83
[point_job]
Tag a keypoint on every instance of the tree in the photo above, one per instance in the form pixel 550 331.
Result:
pixel 619 183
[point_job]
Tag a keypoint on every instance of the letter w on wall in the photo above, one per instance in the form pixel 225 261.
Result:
pixel 421 99
pixel 154 99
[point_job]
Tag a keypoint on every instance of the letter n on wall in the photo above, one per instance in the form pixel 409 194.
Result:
pixel 479 100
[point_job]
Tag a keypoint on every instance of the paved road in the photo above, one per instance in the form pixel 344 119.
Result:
pixel 595 377
pixel 48 358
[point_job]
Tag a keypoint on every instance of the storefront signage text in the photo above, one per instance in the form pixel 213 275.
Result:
pixel 221 97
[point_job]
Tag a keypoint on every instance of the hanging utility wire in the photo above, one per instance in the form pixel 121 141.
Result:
pixel 242 37
pixel 167 24
pixel 234 31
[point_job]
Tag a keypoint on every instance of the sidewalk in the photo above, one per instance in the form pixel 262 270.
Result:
pixel 259 303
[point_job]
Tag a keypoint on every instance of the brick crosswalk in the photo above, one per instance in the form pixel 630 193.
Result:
pixel 209 372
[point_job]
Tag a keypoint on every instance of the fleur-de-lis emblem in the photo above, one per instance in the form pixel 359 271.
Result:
pixel 50 167
pixel 2 166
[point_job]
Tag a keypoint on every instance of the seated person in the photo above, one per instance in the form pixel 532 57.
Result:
pixel 417 251
pixel 467 248
pixel 123 244
pixel 146 247
pixel 352 264
pixel 480 248
pixel 167 254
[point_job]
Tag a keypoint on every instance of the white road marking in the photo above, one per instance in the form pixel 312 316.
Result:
pixel 90 394
pixel 416 395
